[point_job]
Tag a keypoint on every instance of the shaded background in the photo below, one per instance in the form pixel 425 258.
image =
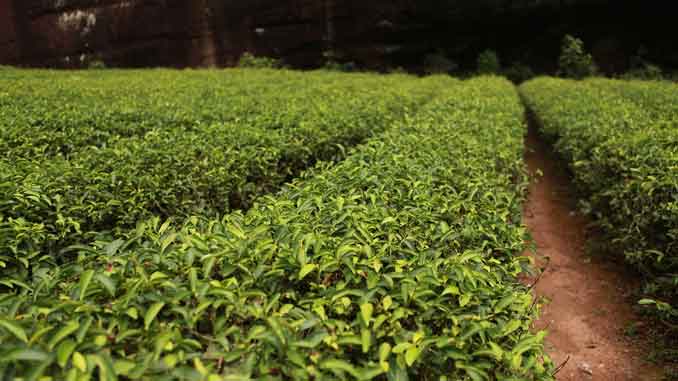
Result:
pixel 374 34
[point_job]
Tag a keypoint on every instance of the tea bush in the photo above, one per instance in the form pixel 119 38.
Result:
pixel 518 73
pixel 620 139
pixel 89 108
pixel 249 60
pixel 172 161
pixel 658 99
pixel 643 69
pixel 397 263
pixel 96 65
pixel 647 72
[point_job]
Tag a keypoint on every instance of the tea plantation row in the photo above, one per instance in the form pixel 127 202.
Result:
pixel 95 152
pixel 93 108
pixel 398 263
pixel 621 142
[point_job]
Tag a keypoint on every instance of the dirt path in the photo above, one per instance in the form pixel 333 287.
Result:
pixel 589 306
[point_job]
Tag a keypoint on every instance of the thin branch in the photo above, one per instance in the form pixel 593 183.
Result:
pixel 541 274
pixel 561 366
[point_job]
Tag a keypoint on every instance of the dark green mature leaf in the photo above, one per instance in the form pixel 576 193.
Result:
pixel 14 328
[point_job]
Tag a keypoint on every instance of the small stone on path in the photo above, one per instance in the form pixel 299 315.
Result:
pixel 586 368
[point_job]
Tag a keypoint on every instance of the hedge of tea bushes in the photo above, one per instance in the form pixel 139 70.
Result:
pixel 398 263
pixel 51 202
pixel 621 142
pixel 47 113
pixel 658 98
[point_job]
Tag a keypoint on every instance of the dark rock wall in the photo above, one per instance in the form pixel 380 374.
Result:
pixel 9 49
pixel 137 33
pixel 373 33
pixel 70 33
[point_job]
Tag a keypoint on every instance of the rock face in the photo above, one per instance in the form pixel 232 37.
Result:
pixel 71 33
pixel 374 33
pixel 9 50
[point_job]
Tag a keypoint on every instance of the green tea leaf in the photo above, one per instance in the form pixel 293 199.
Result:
pixel 107 283
pixel 384 352
pixel 151 313
pixel 25 354
pixel 306 269
pixel 66 330
pixel 339 366
pixel 366 339
pixel 366 310
pixel 412 354
pixel 85 279
pixel 64 351
pixel 387 302
pixel 14 329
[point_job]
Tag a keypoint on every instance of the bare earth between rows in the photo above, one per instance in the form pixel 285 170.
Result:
pixel 587 299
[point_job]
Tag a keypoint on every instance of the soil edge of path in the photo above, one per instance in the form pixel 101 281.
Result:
pixel 587 304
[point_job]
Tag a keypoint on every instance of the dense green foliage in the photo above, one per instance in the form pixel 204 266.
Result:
pixel 518 73
pixel 648 72
pixel 97 151
pixel 488 62
pixel 574 61
pixel 643 69
pixel 621 142
pixel 658 99
pixel 398 263
pixel 249 60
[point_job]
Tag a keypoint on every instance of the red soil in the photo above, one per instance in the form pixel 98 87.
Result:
pixel 587 305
